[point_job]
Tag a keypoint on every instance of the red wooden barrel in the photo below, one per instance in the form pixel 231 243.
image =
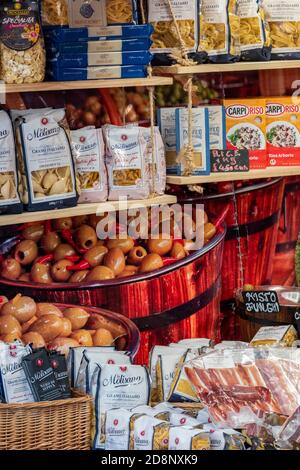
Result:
pixel 178 301
pixel 289 228
pixel 257 209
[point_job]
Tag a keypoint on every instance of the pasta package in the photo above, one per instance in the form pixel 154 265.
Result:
pixel 49 179
pixel 200 138
pixel 127 169
pixel 54 12
pixel 166 119
pixel 94 72
pixel 275 336
pixel 151 434
pixel 254 31
pixel 246 129
pixel 88 152
pixel 118 429
pixel 283 17
pixel 10 202
pixel 102 13
pixel 158 185
pixel 127 386
pixel 187 438
pixel 165 371
pixel 283 131
pixel 165 37
pixel 220 30
pixel 181 389
pixel 75 357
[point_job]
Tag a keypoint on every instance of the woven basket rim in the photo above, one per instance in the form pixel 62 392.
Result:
pixel 76 399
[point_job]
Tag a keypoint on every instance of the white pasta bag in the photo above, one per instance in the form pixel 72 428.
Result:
pixel 187 438
pixel 10 202
pixel 75 356
pixel 157 171
pixel 126 162
pixel 113 386
pixel 88 152
pixel 91 359
pixel 117 429
pixel 14 387
pixel 151 433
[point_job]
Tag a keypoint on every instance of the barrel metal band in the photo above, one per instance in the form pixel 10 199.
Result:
pixel 252 227
pixel 176 314
pixel 285 247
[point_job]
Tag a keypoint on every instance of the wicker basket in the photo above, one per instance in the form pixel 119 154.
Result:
pixel 51 425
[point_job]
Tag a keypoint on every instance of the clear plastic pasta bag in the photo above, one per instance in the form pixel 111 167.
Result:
pixel 219 30
pixel 254 31
pixel 54 12
pixel 283 17
pixel 121 12
pixel 241 387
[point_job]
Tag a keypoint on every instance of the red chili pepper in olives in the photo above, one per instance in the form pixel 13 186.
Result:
pixel 82 265
pixel 73 258
pixel 44 259
pixel 68 237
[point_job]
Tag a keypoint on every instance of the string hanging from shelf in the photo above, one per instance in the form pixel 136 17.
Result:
pixel 152 124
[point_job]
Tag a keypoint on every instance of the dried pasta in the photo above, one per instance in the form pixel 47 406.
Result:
pixel 254 31
pixel 219 30
pixel 283 17
pixel 55 12
pixel 119 11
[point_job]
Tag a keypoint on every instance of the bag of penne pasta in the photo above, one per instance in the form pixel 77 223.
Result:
pixel 166 41
pixel 102 12
pixel 283 17
pixel 219 30
pixel 255 38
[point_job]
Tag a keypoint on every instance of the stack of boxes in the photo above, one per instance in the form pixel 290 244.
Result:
pixel 98 53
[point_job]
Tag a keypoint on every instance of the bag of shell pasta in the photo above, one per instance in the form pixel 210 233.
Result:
pixel 46 162
pixel 88 153
pixel 10 202
pixel 54 12
pixel 283 17
pixel 22 51
pixel 126 164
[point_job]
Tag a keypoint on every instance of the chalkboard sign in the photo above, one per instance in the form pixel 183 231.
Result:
pixel 229 161
pixel 261 302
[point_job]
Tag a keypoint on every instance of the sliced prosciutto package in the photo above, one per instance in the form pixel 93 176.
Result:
pixel 240 387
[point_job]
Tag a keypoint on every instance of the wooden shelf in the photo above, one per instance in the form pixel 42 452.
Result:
pixel 84 84
pixel 219 177
pixel 85 209
pixel 233 67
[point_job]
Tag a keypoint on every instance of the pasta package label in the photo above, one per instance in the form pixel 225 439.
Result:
pixel 68 60
pixel 101 12
pixel 165 37
pixel 283 17
pixel 9 197
pixel 200 138
pixel 91 47
pixel 217 129
pixel 117 429
pixel 254 31
pixel 96 73
pixel 246 129
pixel 283 131
pixel 63 34
pixel 88 152
pixel 219 30
pixel 186 438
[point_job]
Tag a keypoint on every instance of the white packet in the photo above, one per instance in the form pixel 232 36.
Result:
pixel 117 429
pixel 150 434
pixel 88 153
pixel 126 164
pixel 187 438
pixel 158 183
pixel 165 371
pixel 75 356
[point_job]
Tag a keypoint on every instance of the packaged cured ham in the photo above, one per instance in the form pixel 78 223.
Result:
pixel 88 152
pixel 10 202
pixel 240 387
pixel 289 435
pixel 113 386
pixel 126 164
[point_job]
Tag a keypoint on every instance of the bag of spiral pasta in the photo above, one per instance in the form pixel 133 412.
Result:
pixel 95 13
pixel 54 12
pixel 283 17
pixel 254 31
pixel 88 152
pixel 166 42
pixel 219 30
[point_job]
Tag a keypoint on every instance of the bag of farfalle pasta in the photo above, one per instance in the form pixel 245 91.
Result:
pixel 166 41
pixel 219 30
pixel 255 38
pixel 283 17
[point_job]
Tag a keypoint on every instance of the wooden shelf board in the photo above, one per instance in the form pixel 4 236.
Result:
pixel 219 177
pixel 84 84
pixel 84 209
pixel 232 67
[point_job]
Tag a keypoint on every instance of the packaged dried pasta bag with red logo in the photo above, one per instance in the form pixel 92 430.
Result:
pixel 219 30
pixel 254 31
